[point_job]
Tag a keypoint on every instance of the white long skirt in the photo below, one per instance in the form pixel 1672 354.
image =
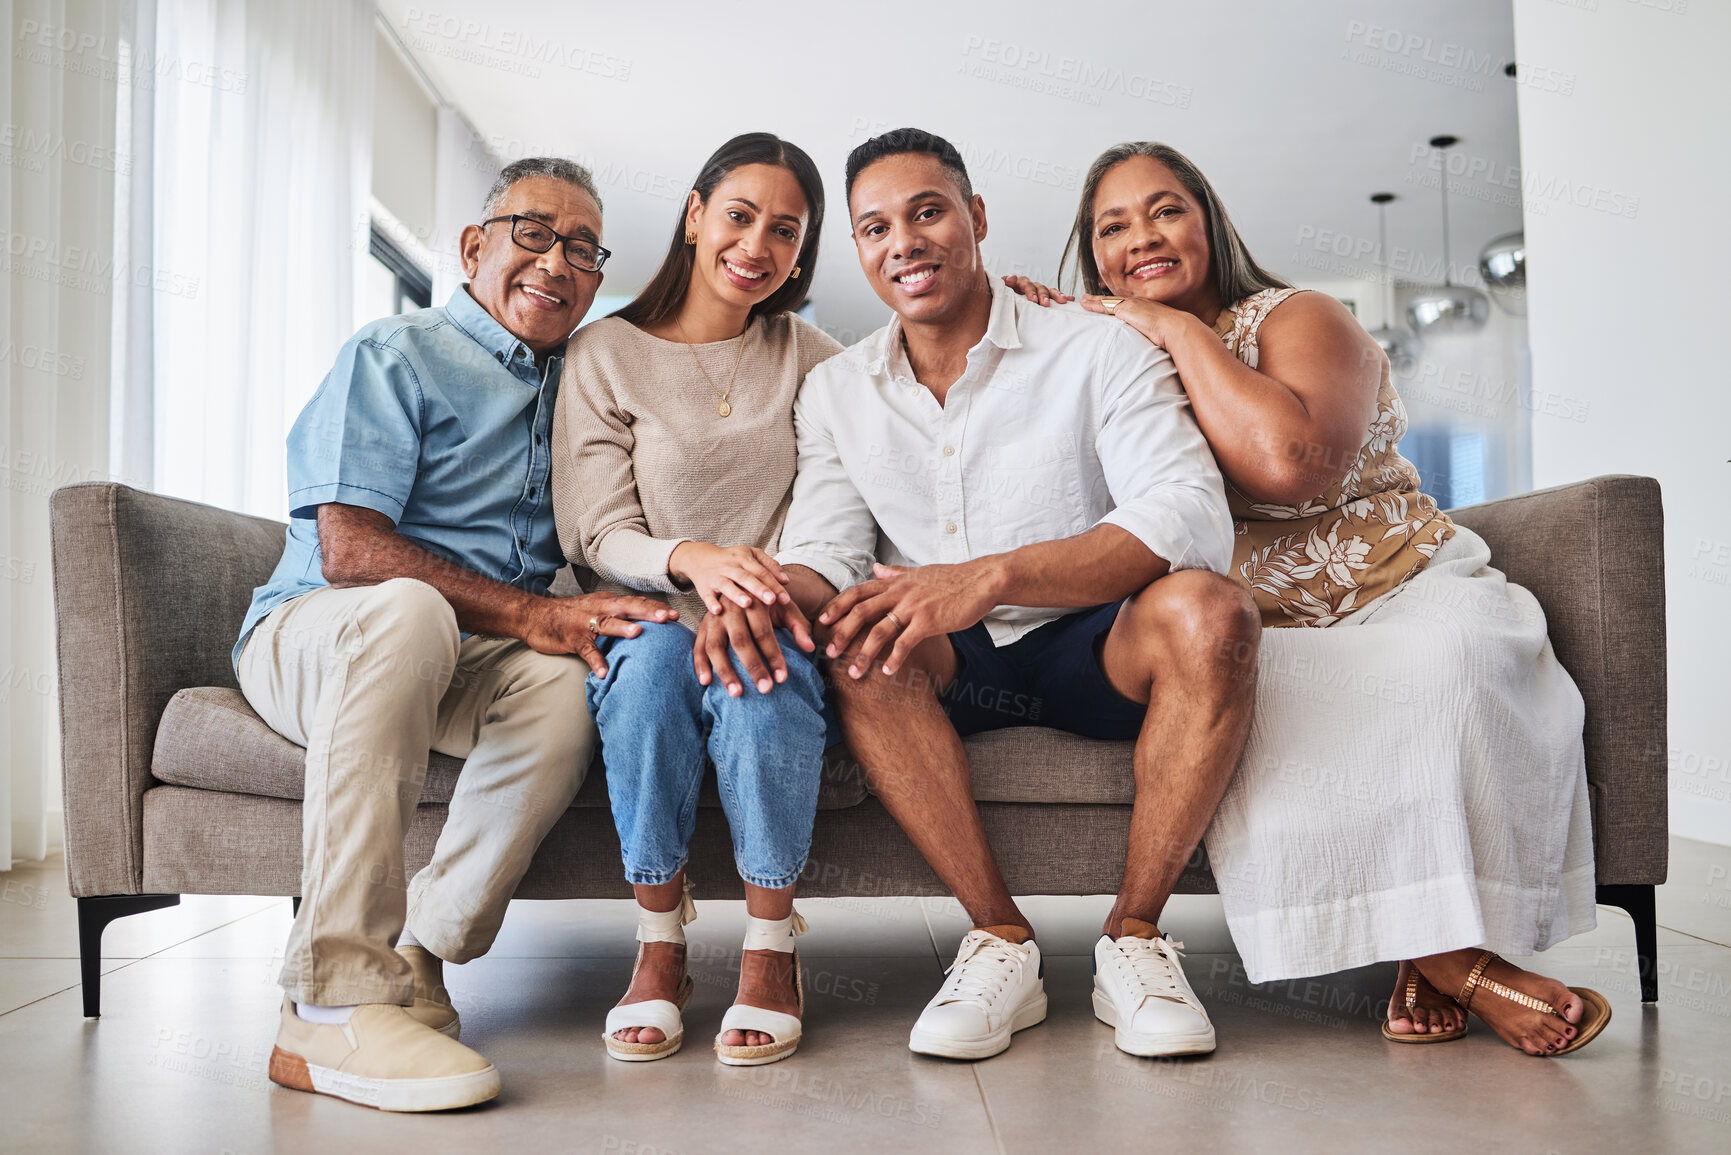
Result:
pixel 1415 782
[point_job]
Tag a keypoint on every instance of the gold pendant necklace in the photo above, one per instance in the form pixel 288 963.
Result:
pixel 722 407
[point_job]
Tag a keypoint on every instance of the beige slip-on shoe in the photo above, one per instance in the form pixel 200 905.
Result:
pixel 380 1058
pixel 432 1005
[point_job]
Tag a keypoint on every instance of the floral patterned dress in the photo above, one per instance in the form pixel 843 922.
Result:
pixel 1317 563
pixel 1415 780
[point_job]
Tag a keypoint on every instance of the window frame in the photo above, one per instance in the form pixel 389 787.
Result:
pixel 414 285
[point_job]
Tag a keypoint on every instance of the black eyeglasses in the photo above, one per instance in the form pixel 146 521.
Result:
pixel 535 236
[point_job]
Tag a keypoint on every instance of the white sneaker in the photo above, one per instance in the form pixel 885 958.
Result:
pixel 996 988
pixel 1141 993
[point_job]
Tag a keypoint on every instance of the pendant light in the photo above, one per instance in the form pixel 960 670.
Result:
pixel 1399 344
pixel 1448 307
pixel 1503 265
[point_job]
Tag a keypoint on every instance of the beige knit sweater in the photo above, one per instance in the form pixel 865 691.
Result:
pixel 642 461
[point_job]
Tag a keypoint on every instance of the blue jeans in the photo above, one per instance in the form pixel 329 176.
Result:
pixel 658 724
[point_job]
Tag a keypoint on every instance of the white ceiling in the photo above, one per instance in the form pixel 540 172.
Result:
pixel 1296 111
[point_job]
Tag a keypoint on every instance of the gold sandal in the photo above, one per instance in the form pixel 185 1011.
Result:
pixel 1412 977
pixel 1593 1019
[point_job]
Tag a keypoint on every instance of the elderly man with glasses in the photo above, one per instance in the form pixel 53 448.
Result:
pixel 410 613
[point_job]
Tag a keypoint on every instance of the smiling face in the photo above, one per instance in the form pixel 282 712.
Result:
pixel 1150 237
pixel 539 297
pixel 918 237
pixel 749 234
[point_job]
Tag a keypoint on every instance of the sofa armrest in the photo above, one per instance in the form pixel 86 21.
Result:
pixel 1593 553
pixel 149 593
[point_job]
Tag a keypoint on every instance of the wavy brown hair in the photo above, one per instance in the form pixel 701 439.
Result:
pixel 665 292
pixel 1236 273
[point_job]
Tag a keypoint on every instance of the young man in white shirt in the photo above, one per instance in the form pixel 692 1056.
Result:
pixel 1057 532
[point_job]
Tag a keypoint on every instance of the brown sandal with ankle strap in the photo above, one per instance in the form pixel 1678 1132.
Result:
pixel 1593 1018
pixel 1412 977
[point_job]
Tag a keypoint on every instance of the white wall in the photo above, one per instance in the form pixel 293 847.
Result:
pixel 1627 265
pixel 465 171
pixel 431 171
pixel 404 133
pixel 1029 90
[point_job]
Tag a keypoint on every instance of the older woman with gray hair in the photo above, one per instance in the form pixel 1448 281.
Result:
pixel 1414 787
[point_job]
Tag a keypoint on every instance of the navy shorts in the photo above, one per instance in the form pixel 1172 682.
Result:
pixel 1050 677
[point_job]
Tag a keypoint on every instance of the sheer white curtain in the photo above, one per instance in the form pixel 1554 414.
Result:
pixel 261 185
pixel 57 171
pixel 183 201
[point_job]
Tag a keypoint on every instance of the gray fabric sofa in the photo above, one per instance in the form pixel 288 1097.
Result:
pixel 174 786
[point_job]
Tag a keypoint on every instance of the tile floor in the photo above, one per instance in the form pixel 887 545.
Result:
pixel 176 1064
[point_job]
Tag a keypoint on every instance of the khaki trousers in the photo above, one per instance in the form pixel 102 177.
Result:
pixel 369 679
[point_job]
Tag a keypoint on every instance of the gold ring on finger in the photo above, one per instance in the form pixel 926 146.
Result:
pixel 595 625
pixel 900 625
pixel 1110 304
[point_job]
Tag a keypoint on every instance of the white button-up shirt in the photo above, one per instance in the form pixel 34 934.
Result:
pixel 1062 420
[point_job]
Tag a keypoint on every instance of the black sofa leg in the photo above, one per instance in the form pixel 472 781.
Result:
pixel 295 902
pixel 94 915
pixel 1639 902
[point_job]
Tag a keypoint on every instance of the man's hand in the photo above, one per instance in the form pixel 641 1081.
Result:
pixel 1041 295
pixel 571 625
pixel 750 631
pixel 902 607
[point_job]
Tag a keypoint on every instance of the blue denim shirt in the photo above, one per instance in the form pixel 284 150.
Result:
pixel 440 420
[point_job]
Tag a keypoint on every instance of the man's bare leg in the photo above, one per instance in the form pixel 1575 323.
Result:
pixel 915 762
pixel 1187 646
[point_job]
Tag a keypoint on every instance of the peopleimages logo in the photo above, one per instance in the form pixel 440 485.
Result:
pixel 26 147
pixel 1444 62
pixel 88 54
pixel 83 268
pixel 1066 77
pixel 1426 49
pixel 518 49
pixel 42 360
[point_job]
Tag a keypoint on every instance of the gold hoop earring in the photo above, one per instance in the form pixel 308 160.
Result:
pixel 690 237
pixel 794 276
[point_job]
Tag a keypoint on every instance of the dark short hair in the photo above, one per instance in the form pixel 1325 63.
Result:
pixel 556 167
pixel 899 141
pixel 662 297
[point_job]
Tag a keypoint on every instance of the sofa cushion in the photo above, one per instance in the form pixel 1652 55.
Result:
pixel 209 738
pixel 1036 764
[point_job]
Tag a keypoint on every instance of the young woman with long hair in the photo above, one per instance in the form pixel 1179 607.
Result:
pixel 673 463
